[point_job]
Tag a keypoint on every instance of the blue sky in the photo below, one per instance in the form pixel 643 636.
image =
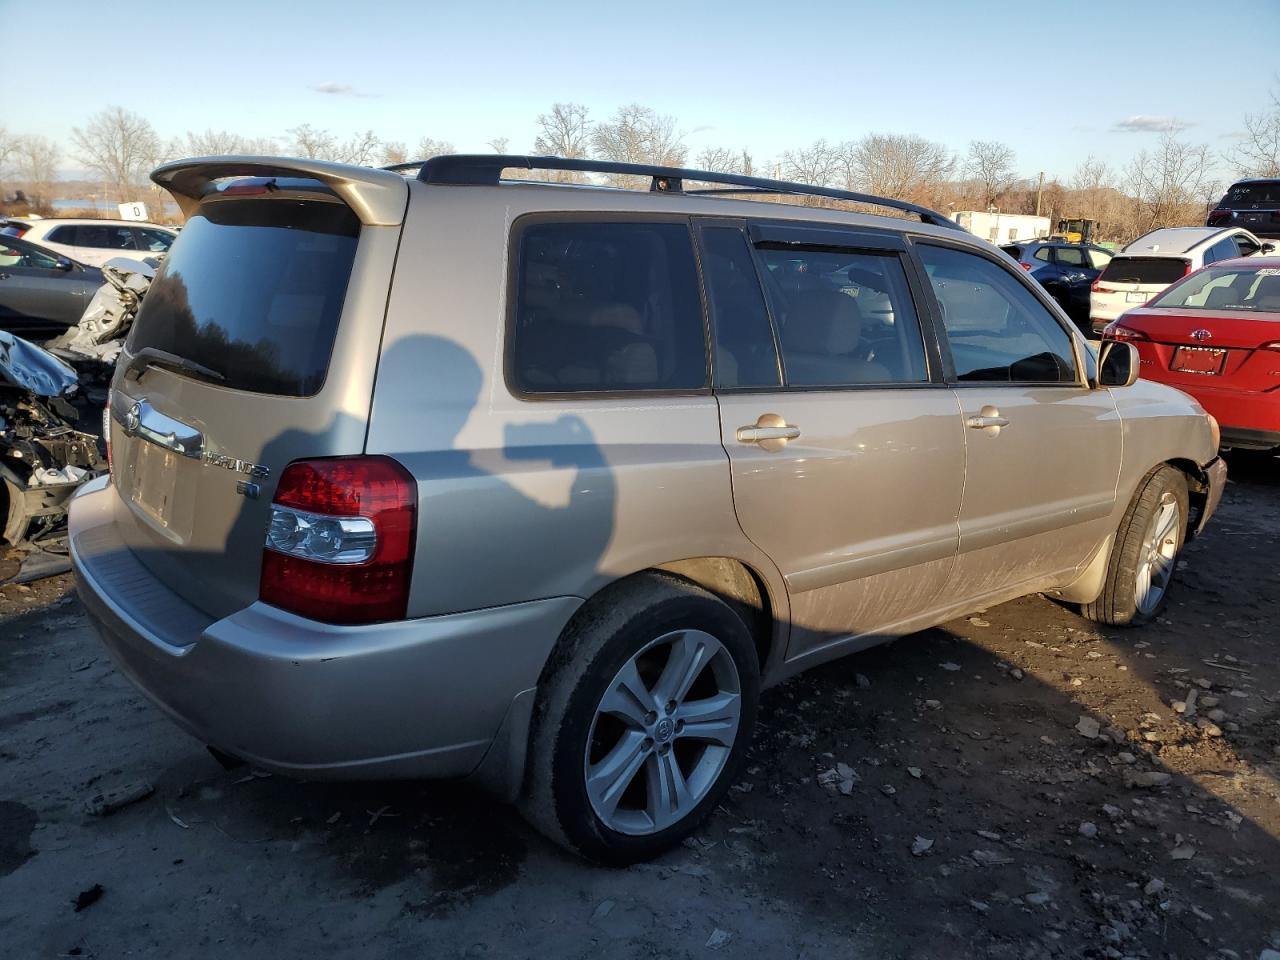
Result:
pixel 765 76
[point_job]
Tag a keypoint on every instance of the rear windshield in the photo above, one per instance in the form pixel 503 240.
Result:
pixel 1244 196
pixel 1226 288
pixel 253 290
pixel 1163 270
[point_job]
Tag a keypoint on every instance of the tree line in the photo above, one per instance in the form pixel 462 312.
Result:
pixel 1168 184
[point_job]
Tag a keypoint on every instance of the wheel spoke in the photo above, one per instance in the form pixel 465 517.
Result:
pixel 669 797
pixel 690 653
pixel 628 699
pixel 608 780
pixel 714 719
pixel 1144 585
pixel 1167 525
pixel 1161 569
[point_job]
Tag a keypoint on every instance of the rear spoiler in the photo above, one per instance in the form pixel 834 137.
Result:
pixel 378 197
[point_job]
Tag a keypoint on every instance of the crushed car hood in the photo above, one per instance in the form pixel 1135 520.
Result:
pixel 25 365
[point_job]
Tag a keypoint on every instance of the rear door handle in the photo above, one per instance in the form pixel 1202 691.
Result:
pixel 771 432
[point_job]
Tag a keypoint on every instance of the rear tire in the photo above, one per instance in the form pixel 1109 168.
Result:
pixel 1145 553
pixel 644 716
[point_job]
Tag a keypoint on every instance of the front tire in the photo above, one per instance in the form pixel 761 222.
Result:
pixel 643 719
pixel 1145 553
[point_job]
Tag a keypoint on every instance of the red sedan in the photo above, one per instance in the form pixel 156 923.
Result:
pixel 1216 335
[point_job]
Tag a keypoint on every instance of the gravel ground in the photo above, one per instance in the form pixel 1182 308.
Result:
pixel 994 788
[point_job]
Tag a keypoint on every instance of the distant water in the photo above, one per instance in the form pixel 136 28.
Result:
pixel 83 205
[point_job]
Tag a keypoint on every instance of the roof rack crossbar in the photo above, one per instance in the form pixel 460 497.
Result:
pixel 464 169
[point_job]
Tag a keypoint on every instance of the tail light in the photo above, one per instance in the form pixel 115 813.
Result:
pixel 1025 266
pixel 1096 286
pixel 1273 345
pixel 1114 331
pixel 1219 217
pixel 339 547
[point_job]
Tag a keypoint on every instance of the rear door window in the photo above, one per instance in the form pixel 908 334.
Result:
pixel 606 307
pixel 746 353
pixel 1222 250
pixel 997 331
pixel 1149 270
pixel 68 235
pixel 843 317
pixel 254 292
pixel 1071 256
pixel 1045 254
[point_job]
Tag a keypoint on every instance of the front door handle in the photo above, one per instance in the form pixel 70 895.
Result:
pixel 989 421
pixel 770 432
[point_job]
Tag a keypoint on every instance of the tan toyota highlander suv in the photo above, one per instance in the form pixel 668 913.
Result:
pixel 437 473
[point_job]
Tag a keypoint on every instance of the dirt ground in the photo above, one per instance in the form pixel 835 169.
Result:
pixel 1002 797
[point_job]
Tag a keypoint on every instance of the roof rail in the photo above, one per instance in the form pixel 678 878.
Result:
pixel 467 169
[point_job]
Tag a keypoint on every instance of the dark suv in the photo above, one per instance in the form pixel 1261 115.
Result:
pixel 1252 204
pixel 1066 270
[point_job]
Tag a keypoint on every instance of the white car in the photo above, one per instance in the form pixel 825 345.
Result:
pixel 96 241
pixel 1157 259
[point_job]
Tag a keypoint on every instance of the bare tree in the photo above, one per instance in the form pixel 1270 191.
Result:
pixel 499 144
pixel 394 151
pixel 902 166
pixel 1258 154
pixel 564 132
pixel 312 144
pixel 718 160
pixel 639 134
pixel 8 143
pixel 36 162
pixel 817 164
pixel 428 148
pixel 120 146
pixel 1170 185
pixel 219 143
pixel 990 163
pixel 362 149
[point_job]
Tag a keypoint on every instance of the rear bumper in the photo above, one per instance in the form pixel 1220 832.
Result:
pixel 416 698
pixel 1246 419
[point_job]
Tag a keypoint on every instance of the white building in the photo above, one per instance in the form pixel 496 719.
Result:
pixel 1001 228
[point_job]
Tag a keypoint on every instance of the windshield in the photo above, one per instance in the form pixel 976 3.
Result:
pixel 253 289
pixel 1239 288
pixel 1244 196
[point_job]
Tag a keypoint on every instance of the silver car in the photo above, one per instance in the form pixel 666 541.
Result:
pixel 538 484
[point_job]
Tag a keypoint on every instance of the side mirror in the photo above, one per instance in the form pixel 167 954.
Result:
pixel 1268 248
pixel 64 264
pixel 1117 364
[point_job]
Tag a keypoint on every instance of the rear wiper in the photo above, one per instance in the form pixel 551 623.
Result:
pixel 155 357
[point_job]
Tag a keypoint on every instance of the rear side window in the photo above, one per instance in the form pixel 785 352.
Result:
pixel 606 307
pixel 157 241
pixel 996 329
pixel 1098 259
pixel 1163 270
pixel 67 235
pixel 1071 256
pixel 745 352
pixel 1045 254
pixel 254 291
pixel 1222 250
pixel 843 317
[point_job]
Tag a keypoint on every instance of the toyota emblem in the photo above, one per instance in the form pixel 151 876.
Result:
pixel 133 418
pixel 1202 334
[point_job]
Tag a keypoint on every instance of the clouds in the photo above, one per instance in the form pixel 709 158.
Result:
pixel 1144 123
pixel 335 89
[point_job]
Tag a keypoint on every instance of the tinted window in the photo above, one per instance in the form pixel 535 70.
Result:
pixel 1071 256
pixel 1162 270
pixel 65 235
pixel 254 291
pixel 1246 246
pixel 1013 250
pixel 156 241
pixel 607 306
pixel 745 354
pixel 997 330
pixel 843 317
